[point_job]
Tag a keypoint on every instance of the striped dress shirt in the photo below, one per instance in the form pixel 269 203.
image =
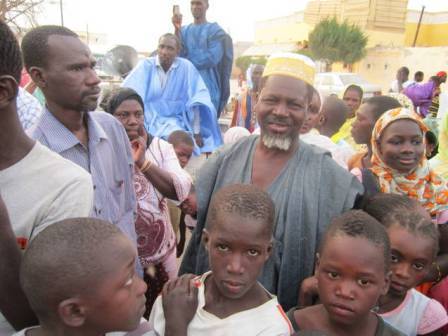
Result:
pixel 108 158
pixel 28 108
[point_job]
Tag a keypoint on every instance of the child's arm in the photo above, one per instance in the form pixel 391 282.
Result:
pixel 13 303
pixel 308 292
pixel 180 302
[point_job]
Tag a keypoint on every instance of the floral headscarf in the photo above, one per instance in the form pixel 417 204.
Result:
pixel 403 100
pixel 422 184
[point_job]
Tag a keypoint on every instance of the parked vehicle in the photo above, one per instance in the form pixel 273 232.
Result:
pixel 328 83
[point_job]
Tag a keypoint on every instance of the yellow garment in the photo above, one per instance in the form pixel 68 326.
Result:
pixel 345 132
pixel 292 65
pixel 441 160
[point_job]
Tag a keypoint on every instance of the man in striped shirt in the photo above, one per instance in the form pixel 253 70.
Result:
pixel 62 66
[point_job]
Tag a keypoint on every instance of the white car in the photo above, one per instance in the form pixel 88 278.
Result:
pixel 328 83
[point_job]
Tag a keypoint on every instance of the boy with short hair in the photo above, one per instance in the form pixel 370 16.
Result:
pixel 366 117
pixel 238 237
pixel 352 273
pixel 183 146
pixel 79 277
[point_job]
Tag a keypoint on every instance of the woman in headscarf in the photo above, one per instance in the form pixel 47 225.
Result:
pixel 158 176
pixel 352 96
pixel 400 165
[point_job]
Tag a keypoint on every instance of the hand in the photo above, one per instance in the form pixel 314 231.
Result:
pixel 308 291
pixel 177 21
pixel 180 301
pixel 189 206
pixel 138 151
pixel 198 139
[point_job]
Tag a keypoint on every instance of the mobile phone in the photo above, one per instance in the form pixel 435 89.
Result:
pixel 176 10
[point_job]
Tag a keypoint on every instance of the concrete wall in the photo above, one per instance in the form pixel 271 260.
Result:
pixel 381 29
pixel 284 29
pixel 381 64
pixel 433 30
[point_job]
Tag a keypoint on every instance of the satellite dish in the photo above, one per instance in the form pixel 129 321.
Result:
pixel 120 61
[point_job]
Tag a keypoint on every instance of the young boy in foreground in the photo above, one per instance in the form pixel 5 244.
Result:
pixel 238 238
pixel 352 273
pixel 79 277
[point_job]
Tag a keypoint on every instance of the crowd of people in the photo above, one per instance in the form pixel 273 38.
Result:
pixel 312 215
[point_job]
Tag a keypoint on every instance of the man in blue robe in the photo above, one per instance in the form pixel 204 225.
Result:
pixel 175 96
pixel 210 49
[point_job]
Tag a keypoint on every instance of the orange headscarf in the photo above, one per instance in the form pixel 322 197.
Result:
pixel 422 183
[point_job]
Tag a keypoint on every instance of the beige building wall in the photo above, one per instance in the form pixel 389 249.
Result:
pixel 433 30
pixel 382 20
pixel 381 64
pixel 291 28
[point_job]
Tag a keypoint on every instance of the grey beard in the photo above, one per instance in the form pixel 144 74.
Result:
pixel 272 141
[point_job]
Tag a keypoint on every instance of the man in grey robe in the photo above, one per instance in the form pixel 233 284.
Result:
pixel 305 183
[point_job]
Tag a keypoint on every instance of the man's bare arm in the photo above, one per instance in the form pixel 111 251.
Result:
pixel 13 302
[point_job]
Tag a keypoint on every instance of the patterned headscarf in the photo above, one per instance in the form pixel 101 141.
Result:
pixel 422 184
pixel 403 100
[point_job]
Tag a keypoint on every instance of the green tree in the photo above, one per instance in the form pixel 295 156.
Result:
pixel 331 41
pixel 243 62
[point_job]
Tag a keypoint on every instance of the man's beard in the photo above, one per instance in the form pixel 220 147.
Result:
pixel 273 141
pixel 282 143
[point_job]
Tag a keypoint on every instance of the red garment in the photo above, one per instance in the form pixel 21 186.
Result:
pixel 25 78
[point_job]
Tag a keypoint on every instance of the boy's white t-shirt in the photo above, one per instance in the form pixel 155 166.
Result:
pixel 268 319
pixel 39 190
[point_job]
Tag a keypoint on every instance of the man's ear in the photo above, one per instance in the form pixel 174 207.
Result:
pixel 38 76
pixel 322 119
pixel 8 90
pixel 72 312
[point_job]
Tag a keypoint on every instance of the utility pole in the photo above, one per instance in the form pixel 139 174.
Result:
pixel 61 9
pixel 418 26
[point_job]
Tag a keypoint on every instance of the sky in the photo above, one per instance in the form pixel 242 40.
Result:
pixel 139 23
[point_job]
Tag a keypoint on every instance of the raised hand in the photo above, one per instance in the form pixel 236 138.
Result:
pixel 180 302
pixel 138 151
